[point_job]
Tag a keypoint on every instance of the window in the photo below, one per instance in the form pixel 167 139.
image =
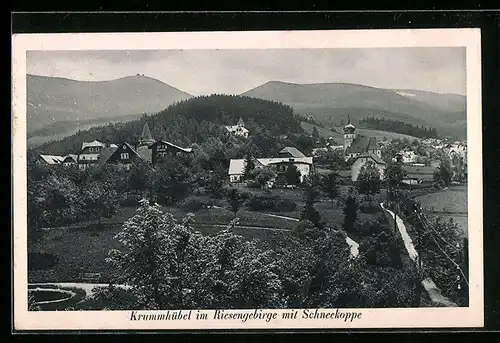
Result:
pixel 124 156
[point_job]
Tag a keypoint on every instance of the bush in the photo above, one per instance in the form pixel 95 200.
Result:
pixel 130 200
pixel 253 184
pixel 369 207
pixel 270 202
pixel 285 205
pixel 193 204
pixel 41 261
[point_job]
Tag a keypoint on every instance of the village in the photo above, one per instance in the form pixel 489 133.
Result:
pixel 419 162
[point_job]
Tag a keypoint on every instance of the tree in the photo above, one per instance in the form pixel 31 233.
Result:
pixel 311 214
pixel 350 211
pixel 292 175
pixel 315 134
pixel 368 182
pixel 138 177
pixel 100 200
pixel 311 193
pixel 235 200
pixel 249 166
pixel 172 181
pixel 330 185
pixel 444 172
pixel 56 201
pixel 144 262
pixel 394 175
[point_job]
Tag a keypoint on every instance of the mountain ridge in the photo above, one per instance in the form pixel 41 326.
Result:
pixel 329 103
pixel 52 99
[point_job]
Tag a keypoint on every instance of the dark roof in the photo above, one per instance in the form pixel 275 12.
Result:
pixel 294 152
pixel 106 153
pixel 362 144
pixel 161 141
pixel 374 157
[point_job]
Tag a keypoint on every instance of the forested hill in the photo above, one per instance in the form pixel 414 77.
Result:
pixel 399 127
pixel 190 121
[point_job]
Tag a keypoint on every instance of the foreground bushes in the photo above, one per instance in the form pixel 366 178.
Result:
pixel 369 207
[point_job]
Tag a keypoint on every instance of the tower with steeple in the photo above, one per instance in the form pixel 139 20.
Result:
pixel 240 123
pixel 349 133
pixel 146 138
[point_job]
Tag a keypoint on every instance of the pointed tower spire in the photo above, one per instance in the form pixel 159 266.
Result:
pixel 241 122
pixel 146 137
pixel 348 118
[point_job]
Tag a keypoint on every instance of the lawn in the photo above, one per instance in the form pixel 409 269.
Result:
pixel 448 203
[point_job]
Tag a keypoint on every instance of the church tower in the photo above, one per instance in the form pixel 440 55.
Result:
pixel 240 123
pixel 349 134
pixel 146 138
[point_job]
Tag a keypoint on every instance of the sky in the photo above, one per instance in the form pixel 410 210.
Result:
pixel 202 72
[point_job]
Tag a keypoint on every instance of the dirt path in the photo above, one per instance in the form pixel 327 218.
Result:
pixel 429 285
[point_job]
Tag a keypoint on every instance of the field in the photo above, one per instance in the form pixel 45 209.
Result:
pixel 448 203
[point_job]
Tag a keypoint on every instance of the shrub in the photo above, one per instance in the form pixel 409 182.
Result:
pixel 253 184
pixel 193 204
pixel 369 207
pixel 130 200
pixel 270 202
pixel 285 205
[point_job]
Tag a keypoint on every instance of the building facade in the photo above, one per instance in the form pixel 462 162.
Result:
pixel 161 149
pixel 239 129
pixel 355 145
pixel 364 159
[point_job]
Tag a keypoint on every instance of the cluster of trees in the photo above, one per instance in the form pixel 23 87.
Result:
pixel 58 197
pixel 171 265
pixel 424 154
pixel 399 127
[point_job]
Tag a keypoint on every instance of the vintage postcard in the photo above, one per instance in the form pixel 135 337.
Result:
pixel 247 180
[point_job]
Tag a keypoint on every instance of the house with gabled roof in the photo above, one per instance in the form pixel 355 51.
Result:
pixel 161 149
pixel 70 160
pixel 363 159
pixel 124 154
pixel 291 151
pixel 89 154
pixel 67 160
pixel 50 159
pixel 278 164
pixel 239 129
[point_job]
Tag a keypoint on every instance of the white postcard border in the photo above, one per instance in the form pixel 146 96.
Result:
pixel 471 316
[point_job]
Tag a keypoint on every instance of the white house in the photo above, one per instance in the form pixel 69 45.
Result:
pixel 364 158
pixel 406 156
pixel 89 154
pixel 279 164
pixel 239 129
